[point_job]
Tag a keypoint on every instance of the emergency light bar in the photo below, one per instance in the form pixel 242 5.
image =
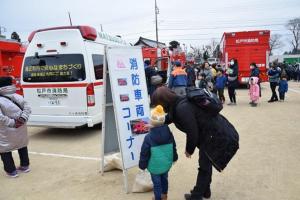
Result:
pixel 87 32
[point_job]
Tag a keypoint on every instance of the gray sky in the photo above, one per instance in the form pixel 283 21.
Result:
pixel 191 22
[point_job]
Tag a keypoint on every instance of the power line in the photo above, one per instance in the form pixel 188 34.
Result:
pixel 204 28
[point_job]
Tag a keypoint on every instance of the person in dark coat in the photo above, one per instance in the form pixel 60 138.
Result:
pixel 149 72
pixel 200 127
pixel 255 73
pixel 202 81
pixel 232 80
pixel 191 76
pixel 274 78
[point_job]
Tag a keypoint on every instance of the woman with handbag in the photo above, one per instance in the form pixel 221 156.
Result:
pixel 14 113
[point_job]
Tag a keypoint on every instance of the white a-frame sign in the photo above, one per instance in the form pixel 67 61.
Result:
pixel 126 106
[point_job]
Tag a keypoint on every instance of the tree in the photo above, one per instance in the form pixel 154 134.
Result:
pixel 217 52
pixel 293 25
pixel 275 43
pixel 197 53
pixel 205 55
pixel 213 44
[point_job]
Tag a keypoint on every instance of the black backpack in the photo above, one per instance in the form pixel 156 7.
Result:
pixel 205 99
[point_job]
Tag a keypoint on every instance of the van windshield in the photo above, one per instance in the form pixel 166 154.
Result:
pixel 54 68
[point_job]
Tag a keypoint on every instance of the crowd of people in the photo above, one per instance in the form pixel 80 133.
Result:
pixel 292 70
pixel 210 132
pixel 216 78
pixel 159 148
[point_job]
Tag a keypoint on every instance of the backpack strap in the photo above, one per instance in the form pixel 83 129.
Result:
pixel 14 102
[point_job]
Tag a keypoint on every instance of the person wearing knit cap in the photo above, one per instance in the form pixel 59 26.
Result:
pixel 14 113
pixel 158 153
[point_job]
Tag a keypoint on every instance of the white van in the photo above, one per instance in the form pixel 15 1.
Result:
pixel 62 76
pixel 212 61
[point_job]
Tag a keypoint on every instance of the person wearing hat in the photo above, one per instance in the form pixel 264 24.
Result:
pixel 14 113
pixel 158 153
pixel 178 79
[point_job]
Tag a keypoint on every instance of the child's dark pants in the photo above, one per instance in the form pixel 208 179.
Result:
pixel 160 185
pixel 221 94
pixel 8 161
pixel 281 95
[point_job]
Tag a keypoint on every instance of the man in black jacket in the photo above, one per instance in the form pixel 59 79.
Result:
pixel 214 136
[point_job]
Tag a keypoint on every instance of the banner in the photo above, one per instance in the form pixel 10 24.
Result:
pixel 130 100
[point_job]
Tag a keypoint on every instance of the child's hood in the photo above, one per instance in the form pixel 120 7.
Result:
pixel 160 135
pixel 255 80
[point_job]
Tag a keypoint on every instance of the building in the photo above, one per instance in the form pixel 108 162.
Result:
pixel 144 42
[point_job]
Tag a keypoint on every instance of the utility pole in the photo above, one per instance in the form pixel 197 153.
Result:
pixel 156 28
pixel 2 28
pixel 70 18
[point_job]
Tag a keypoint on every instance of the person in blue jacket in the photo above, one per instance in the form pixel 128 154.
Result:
pixel 274 77
pixel 178 79
pixel 283 88
pixel 158 153
pixel 220 85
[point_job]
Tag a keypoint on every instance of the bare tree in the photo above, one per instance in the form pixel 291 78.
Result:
pixel 293 25
pixel 275 42
pixel 197 52
pixel 211 48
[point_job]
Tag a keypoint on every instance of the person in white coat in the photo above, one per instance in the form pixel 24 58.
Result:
pixel 14 113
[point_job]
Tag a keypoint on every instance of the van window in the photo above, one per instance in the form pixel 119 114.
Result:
pixel 54 68
pixel 98 66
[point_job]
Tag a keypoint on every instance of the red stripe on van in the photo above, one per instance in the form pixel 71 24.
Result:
pixel 55 85
pixel 59 85
pixel 98 83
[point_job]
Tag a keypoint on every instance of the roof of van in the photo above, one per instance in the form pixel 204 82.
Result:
pixel 87 32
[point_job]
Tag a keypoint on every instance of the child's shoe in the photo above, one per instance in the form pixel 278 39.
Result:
pixel 23 169
pixel 14 174
pixel 164 197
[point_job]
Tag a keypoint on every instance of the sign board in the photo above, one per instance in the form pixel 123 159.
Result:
pixel 127 105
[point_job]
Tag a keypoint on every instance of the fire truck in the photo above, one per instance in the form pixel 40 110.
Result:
pixel 162 58
pixel 247 47
pixel 11 58
pixel 158 57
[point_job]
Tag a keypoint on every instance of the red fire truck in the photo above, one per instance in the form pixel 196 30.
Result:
pixel 161 58
pixel 158 57
pixel 247 47
pixel 11 58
